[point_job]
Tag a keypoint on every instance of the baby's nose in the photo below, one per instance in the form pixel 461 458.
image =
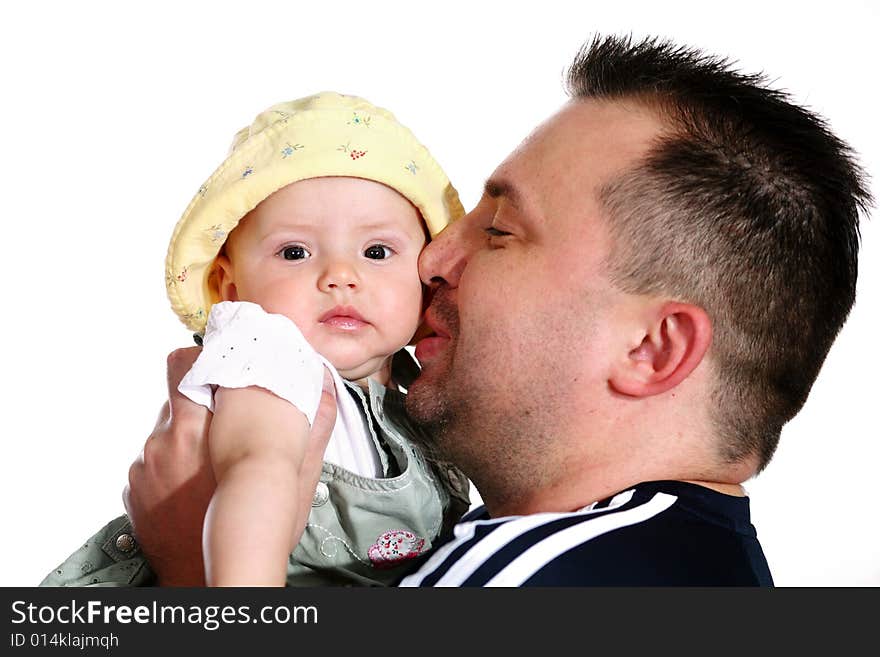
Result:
pixel 339 275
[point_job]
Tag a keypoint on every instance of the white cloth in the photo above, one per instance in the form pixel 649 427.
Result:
pixel 246 346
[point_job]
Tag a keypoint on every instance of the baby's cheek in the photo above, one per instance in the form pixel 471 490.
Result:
pixel 409 307
pixel 284 303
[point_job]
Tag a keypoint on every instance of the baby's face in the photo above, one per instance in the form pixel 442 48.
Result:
pixel 339 257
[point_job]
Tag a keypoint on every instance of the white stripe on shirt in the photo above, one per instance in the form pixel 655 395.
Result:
pixel 511 528
pixel 540 554
pixel 463 533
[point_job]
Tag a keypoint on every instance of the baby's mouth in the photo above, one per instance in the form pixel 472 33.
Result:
pixel 343 318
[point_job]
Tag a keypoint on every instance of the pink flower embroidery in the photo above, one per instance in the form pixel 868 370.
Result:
pixel 395 546
pixel 354 154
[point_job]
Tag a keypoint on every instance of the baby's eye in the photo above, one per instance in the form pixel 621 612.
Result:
pixel 377 252
pixel 294 252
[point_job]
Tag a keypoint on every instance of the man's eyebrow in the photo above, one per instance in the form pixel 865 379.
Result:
pixel 498 188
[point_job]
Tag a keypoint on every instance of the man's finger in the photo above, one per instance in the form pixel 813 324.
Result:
pixel 180 361
pixel 319 436
pixel 164 416
pixel 325 417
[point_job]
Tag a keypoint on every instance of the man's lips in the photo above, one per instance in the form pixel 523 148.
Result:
pixel 344 318
pixel 436 327
pixel 429 346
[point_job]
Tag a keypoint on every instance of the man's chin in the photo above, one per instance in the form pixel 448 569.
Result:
pixel 425 400
pixel 417 396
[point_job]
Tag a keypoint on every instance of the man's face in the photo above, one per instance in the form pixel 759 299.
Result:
pixel 339 257
pixel 524 310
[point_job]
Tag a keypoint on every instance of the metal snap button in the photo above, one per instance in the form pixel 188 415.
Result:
pixel 125 543
pixel 322 494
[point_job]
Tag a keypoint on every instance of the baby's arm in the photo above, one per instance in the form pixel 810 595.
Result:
pixel 256 442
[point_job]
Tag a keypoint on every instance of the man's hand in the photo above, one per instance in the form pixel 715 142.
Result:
pixel 319 436
pixel 171 483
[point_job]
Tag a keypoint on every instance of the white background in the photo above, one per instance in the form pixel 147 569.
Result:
pixel 114 114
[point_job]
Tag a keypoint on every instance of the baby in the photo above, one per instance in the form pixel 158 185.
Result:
pixel 298 254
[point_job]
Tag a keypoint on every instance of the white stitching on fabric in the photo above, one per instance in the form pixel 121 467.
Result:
pixel 332 536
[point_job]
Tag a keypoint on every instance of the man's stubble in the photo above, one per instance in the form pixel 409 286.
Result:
pixel 482 417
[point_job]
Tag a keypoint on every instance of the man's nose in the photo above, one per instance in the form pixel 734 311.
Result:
pixel 339 274
pixel 446 256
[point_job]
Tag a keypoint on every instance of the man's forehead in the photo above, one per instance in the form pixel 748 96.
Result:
pixel 557 173
pixel 585 144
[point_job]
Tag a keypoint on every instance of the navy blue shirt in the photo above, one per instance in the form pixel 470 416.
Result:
pixel 661 533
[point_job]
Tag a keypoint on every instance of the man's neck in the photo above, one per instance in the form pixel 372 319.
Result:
pixel 734 490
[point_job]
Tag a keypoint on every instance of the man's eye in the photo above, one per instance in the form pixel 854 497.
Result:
pixel 491 231
pixel 295 252
pixel 377 252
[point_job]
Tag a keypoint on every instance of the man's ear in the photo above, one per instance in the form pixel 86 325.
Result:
pixel 669 347
pixel 225 278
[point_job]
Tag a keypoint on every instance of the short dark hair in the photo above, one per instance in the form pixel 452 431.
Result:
pixel 748 207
